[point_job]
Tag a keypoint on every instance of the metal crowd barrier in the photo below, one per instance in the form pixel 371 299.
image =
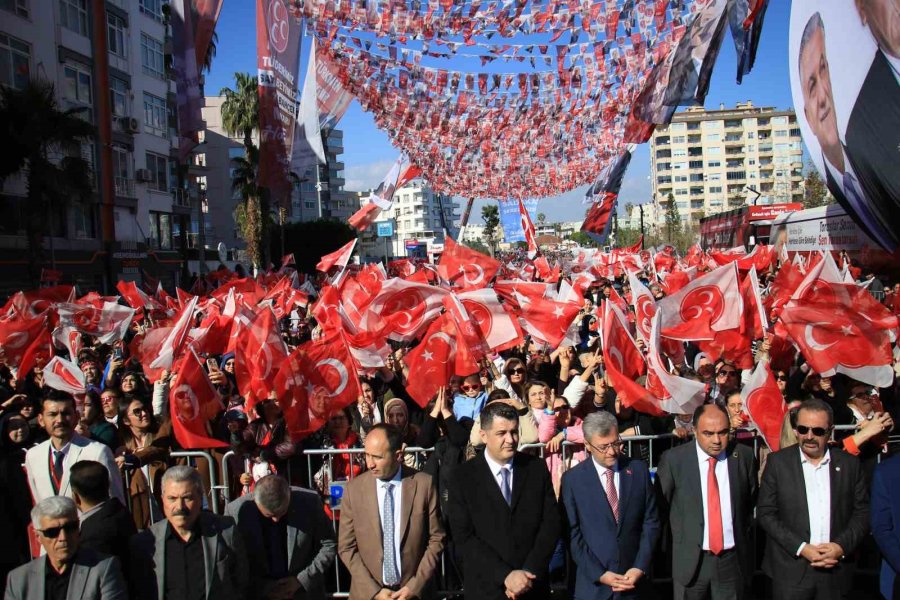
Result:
pixel 214 488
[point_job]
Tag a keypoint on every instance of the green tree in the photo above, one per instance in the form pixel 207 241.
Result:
pixel 583 239
pixel 206 67
pixel 541 218
pixel 44 142
pixel 815 192
pixel 478 247
pixel 253 214
pixel 240 109
pixel 673 219
pixel 627 236
pixel 311 240
pixel 491 216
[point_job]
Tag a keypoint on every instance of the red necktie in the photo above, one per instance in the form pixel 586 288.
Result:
pixel 714 511
pixel 611 494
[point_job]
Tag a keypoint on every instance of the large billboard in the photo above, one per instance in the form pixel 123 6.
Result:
pixel 844 57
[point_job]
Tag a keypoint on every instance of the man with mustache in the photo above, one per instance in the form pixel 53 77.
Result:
pixel 813 505
pixel 193 554
pixel 708 491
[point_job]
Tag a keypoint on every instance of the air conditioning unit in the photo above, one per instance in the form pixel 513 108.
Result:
pixel 142 175
pixel 130 124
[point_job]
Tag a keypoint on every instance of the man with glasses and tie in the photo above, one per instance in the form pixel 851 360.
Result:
pixel 390 536
pixel 503 514
pixel 708 491
pixel 48 464
pixel 66 571
pixel 609 497
pixel 814 508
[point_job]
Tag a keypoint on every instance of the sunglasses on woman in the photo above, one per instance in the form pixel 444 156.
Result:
pixel 53 532
pixel 517 371
pixel 470 387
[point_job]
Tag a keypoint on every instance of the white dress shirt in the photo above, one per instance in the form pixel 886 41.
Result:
pixel 398 495
pixel 601 473
pixel 724 497
pixel 817 479
pixel 496 468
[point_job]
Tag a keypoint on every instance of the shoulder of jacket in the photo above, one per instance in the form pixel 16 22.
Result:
pixel 35 450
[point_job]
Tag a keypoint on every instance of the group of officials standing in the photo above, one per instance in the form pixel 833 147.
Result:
pixel 505 523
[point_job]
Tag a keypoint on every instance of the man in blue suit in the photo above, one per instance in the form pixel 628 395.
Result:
pixel 885 511
pixel 609 497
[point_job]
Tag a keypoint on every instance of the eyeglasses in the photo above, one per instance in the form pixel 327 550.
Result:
pixel 517 371
pixel 865 395
pixel 781 378
pixel 816 431
pixel 728 373
pixel 604 448
pixel 470 388
pixel 53 532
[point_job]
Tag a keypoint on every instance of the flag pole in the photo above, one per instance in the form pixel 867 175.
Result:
pixel 465 219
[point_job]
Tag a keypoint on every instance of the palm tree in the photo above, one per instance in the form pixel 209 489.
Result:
pixel 206 67
pixel 44 142
pixel 252 215
pixel 240 109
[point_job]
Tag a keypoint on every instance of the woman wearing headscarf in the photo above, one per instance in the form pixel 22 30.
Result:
pixel 14 500
pixel 397 414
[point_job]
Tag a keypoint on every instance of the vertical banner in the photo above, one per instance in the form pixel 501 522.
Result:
pixel 187 77
pixel 204 16
pixel 278 60
pixel 511 218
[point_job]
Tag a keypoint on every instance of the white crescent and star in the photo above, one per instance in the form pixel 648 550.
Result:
pixel 811 340
pixel 341 370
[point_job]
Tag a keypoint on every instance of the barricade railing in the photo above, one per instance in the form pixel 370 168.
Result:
pixel 214 489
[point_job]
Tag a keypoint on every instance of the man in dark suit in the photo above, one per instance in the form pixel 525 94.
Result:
pixel 873 130
pixel 67 571
pixel 628 515
pixel 193 553
pixel 106 525
pixel 391 534
pixel 886 523
pixel 813 506
pixel 504 514
pixel 290 541
pixel 708 490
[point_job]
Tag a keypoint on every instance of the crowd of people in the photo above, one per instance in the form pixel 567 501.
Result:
pixel 520 481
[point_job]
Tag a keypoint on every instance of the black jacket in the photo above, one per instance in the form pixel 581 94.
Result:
pixel 108 530
pixel 783 513
pixel 497 538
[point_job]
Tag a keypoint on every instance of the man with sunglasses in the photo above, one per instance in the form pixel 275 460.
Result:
pixel 628 515
pixel 66 572
pixel 813 505
pixel 728 380
pixel 708 491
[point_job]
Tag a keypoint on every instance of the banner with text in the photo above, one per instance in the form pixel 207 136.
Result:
pixel 511 220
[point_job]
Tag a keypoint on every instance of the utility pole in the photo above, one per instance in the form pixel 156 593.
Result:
pixel 641 207
pixel 201 226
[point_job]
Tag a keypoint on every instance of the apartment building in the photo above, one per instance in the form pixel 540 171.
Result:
pixel 116 49
pixel 418 219
pixel 716 160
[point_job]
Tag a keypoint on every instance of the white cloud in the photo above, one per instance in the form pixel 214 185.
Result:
pixel 360 178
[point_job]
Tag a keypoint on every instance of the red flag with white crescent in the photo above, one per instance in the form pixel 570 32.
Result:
pixel 339 258
pixel 63 375
pixel 707 304
pixel 406 307
pixel 528 230
pixel 765 405
pixel 259 351
pixel 17 335
pixel 499 328
pixel 193 403
pixel 464 268
pixel 433 362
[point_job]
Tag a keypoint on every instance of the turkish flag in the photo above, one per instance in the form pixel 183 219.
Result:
pixel 364 217
pixel 63 375
pixel 41 299
pixel 511 290
pixel 528 230
pixel 258 353
pixel 677 395
pixel 765 405
pixel 498 327
pixel 835 338
pixel 17 335
pixel 96 300
pixel 69 339
pixel 406 307
pixel 339 258
pixel 173 344
pixel 108 324
pixel 433 362
pixel 547 320
pixel 619 347
pixel 38 353
pixel 677 279
pixel 193 403
pixel 754 322
pixel 644 307
pixel 712 302
pixel 465 268
pixel 334 363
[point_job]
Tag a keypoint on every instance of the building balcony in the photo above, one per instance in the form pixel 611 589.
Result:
pixel 124 187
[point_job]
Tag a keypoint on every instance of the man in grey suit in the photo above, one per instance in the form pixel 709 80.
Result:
pixel 290 541
pixel 66 572
pixel 708 491
pixel 192 554
pixel 814 508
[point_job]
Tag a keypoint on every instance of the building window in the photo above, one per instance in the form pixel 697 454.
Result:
pixel 714 150
pixel 17 7
pixel 735 175
pixel 681 192
pixel 715 189
pixel 679 153
pixel 152 59
pixel 155 115
pixel 160 230
pixel 159 172
pixel 73 15
pixel 678 139
pixel 15 62
pixel 679 166
pixel 779 120
pixel 78 85
pixel 714 163
pixel 152 8
pixel 713 137
pixel 309 204
pixel 118 97
pixel 695 164
pixel 115 35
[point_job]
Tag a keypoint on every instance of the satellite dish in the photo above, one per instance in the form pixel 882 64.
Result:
pixel 223 252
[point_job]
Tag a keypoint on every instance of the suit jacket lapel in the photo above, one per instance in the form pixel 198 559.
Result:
pixel 492 489
pixel 834 480
pixel 734 474
pixel 373 514
pixel 293 518
pixel 597 493
pixel 210 539
pixel 692 475
pixel 625 485
pixel 71 458
pixel 407 496
pixel 520 474
pixel 39 572
pixel 77 581
pixel 797 475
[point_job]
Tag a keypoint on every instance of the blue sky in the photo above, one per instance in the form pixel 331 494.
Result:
pixel 368 153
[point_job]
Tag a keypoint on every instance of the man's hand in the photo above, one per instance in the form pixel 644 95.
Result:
pixel 815 555
pixel 633 574
pixel 518 582
pixel 402 594
pixel 618 583
pixel 282 589
pixel 831 554
pixel 384 594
